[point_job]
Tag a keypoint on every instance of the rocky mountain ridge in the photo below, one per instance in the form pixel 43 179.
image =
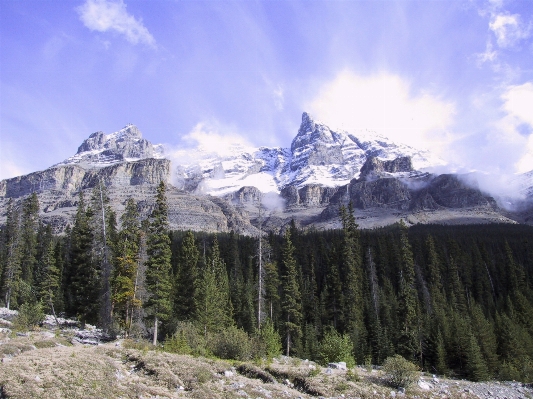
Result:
pixel 322 170
pixel 318 155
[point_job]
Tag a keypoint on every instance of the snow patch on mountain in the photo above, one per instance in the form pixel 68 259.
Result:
pixel 125 145
pixel 318 155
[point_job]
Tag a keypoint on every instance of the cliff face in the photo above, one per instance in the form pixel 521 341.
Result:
pixel 73 178
pixel 58 191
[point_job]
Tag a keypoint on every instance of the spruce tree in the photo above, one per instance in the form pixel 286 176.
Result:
pixel 158 265
pixel 476 366
pixel 49 277
pixel 272 297
pixel 353 282
pixel 29 227
pixel 292 301
pixel 103 226
pixel 12 271
pixel 126 261
pixel 408 304
pixel 84 274
pixel 186 279
pixel 213 306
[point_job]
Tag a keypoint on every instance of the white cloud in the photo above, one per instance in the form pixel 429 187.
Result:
pixel 508 29
pixel 105 15
pixel 209 137
pixel 489 55
pixel 383 103
pixel 518 103
pixel 278 95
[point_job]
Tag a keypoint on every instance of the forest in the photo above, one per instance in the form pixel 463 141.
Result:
pixel 456 300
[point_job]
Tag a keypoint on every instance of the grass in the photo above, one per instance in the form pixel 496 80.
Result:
pixel 135 369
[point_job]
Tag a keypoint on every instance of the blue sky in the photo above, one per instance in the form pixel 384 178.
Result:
pixel 452 76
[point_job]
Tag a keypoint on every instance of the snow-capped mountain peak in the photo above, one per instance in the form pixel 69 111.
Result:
pixel 318 155
pixel 101 149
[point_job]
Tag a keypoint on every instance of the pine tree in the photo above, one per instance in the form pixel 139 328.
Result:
pixel 292 304
pixel 476 366
pixel 103 225
pixel 186 279
pixel 353 283
pixel 484 332
pixel 272 297
pixel 84 274
pixel 126 262
pixel 408 305
pixel 213 306
pixel 158 266
pixel 12 254
pixel 29 227
pixel 49 277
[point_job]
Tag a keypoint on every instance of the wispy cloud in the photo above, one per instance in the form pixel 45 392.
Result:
pixel 105 15
pixel 508 29
pixel 518 122
pixel 385 103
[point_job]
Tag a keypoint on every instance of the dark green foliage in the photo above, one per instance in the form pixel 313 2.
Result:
pixel 29 226
pixel 11 255
pixel 270 340
pixel 30 316
pixel 84 279
pixel 335 347
pixel 48 274
pixel 158 266
pixel 454 299
pixel 291 305
pixel 125 272
pixel 186 279
pixel 231 343
pixel 400 373
pixel 408 302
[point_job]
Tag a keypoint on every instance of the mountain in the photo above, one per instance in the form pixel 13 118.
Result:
pixel 126 145
pixel 308 182
pixel 318 155
pixel 129 166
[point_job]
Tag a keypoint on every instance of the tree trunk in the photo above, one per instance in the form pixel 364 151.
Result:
pixel 155 331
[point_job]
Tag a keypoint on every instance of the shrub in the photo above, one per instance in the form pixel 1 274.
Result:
pixel 270 340
pixel 231 343
pixel 30 316
pixel 177 344
pixel 352 375
pixel 335 348
pixel 187 340
pixel 399 372
pixel 45 344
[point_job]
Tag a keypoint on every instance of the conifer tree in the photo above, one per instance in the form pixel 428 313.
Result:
pixel 213 307
pixel 434 274
pixel 84 274
pixel 29 227
pixel 186 279
pixel 484 332
pixel 158 266
pixel 353 283
pixel 272 297
pixel 103 224
pixel 476 366
pixel 12 254
pixel 291 305
pixel 408 304
pixel 334 297
pixel 126 261
pixel 49 278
